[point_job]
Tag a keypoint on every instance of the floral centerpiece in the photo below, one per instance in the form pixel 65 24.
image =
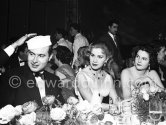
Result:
pixel 74 112
pixel 84 113
pixel 30 113
pixel 144 97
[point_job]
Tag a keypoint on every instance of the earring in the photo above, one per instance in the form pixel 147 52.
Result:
pixel 105 64
pixel 149 67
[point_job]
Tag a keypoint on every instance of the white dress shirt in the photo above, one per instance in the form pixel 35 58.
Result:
pixel 21 63
pixel 112 36
pixel 9 50
pixel 41 85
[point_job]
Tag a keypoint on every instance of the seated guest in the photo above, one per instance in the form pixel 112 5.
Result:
pixel 9 50
pixel 62 58
pixel 30 82
pixel 19 58
pixel 92 82
pixel 82 58
pixel 161 59
pixel 141 72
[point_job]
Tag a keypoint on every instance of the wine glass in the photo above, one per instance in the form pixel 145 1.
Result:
pixel 155 109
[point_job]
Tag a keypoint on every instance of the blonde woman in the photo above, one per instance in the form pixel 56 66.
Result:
pixel 93 83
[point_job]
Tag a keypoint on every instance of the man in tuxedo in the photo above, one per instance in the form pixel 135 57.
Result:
pixel 31 82
pixel 111 40
pixel 19 58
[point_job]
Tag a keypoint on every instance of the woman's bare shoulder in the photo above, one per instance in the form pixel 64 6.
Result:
pixel 60 75
pixel 152 73
pixel 83 74
pixel 127 71
pixel 83 71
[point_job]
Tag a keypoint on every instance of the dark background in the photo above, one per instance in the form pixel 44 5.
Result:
pixel 141 21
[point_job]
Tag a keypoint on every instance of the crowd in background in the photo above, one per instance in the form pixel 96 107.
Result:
pixel 96 69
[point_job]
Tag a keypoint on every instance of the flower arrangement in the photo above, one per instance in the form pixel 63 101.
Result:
pixel 73 112
pixel 143 96
pixel 46 115
pixel 84 113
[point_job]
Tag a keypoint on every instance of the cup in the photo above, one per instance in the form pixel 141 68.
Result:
pixel 126 107
pixel 114 109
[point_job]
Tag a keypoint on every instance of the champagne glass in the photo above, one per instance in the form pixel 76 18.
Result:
pixel 155 109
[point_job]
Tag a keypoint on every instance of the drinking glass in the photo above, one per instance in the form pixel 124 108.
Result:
pixel 164 109
pixel 155 109
pixel 126 108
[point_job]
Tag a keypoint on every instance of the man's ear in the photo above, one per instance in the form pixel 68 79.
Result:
pixel 109 27
pixel 50 56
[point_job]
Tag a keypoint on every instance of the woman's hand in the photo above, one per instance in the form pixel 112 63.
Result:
pixel 144 80
pixel 148 84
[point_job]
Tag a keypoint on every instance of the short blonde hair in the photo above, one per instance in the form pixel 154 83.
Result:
pixel 101 46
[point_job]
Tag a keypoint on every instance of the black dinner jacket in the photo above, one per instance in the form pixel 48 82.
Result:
pixel 3 57
pixel 107 39
pixel 9 62
pixel 27 91
pixel 13 62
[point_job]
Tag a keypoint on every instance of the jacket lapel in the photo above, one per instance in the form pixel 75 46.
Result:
pixel 49 84
pixel 32 90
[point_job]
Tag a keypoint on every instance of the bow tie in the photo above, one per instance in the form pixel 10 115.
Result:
pixel 22 61
pixel 39 74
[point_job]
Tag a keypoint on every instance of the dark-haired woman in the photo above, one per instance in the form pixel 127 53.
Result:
pixel 62 58
pixel 141 72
